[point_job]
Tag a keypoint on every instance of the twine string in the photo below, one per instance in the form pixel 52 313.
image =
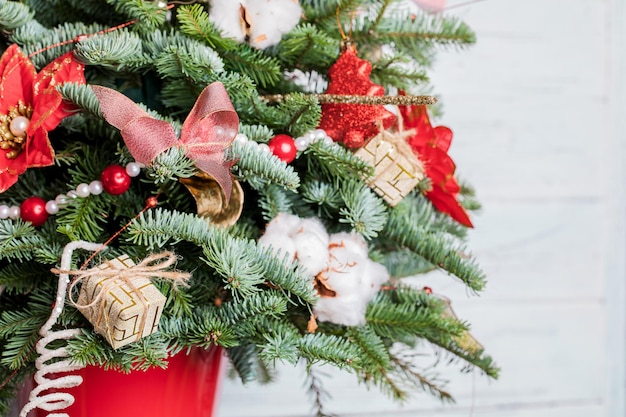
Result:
pixel 113 276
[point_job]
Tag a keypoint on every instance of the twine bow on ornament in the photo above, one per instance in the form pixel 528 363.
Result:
pixel 114 275
pixel 209 129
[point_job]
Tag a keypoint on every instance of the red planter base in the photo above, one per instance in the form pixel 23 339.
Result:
pixel 189 387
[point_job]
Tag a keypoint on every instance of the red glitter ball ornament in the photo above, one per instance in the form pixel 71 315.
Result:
pixel 115 180
pixel 284 147
pixel 33 210
pixel 353 124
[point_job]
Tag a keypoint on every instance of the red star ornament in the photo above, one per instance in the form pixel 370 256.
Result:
pixel 353 124
pixel 30 106
pixel 431 147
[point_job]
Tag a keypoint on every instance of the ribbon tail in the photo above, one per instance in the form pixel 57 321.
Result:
pixel 220 173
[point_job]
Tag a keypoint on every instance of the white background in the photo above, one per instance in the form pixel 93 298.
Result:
pixel 538 110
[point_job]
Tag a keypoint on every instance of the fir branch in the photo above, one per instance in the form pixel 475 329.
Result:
pixel 259 304
pixel 298 113
pixel 82 96
pixel 242 276
pixel 331 349
pixel 241 58
pixel 13 14
pixel 280 345
pixel 244 361
pixel 316 391
pixel 201 330
pixel 194 21
pixel 404 263
pixel 413 35
pixel 170 165
pixel 22 277
pixel 62 35
pixel 20 329
pixel 364 210
pixel 145 14
pixel 323 194
pixel 81 219
pixel 114 50
pixel 396 320
pixel 274 200
pixel 256 133
pixel 336 161
pixel 155 228
pixel 306 46
pixel 405 368
pixel 409 227
pixel 18 240
pixel 399 71
pixel 253 163
pixel 89 348
pixel 191 59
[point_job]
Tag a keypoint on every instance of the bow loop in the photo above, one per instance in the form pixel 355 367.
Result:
pixel 207 132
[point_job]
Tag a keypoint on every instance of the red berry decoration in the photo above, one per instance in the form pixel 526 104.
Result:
pixel 284 147
pixel 33 210
pixel 115 180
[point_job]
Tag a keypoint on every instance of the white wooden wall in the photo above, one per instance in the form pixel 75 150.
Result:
pixel 538 108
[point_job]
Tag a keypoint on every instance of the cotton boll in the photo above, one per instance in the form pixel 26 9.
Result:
pixel 284 224
pixel 277 241
pixel 316 227
pixel 377 275
pixel 259 23
pixel 311 251
pixel 353 242
pixel 271 19
pixel 349 311
pixel 226 14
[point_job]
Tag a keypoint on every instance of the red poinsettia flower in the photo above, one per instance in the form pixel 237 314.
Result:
pixel 30 106
pixel 431 146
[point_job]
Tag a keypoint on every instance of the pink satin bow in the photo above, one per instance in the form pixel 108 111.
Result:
pixel 208 130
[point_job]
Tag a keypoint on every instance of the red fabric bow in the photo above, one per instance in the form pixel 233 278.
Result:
pixel 20 84
pixel 431 147
pixel 208 130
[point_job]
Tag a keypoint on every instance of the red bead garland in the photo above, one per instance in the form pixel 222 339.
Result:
pixel 284 147
pixel 115 180
pixel 33 210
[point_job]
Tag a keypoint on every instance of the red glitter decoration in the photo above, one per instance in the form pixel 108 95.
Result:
pixel 431 147
pixel 283 147
pixel 115 180
pixel 33 210
pixel 353 124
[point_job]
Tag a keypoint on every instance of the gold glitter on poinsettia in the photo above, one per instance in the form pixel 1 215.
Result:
pixel 30 106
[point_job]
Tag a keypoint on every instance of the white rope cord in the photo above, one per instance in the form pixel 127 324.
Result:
pixel 56 401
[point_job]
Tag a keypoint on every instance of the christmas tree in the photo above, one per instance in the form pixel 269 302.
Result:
pixel 250 139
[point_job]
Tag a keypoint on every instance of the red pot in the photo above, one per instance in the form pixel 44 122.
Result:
pixel 187 388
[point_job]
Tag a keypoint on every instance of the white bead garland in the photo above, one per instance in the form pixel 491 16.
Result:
pixel 14 212
pixel 83 190
pixel 301 142
pixel 133 169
